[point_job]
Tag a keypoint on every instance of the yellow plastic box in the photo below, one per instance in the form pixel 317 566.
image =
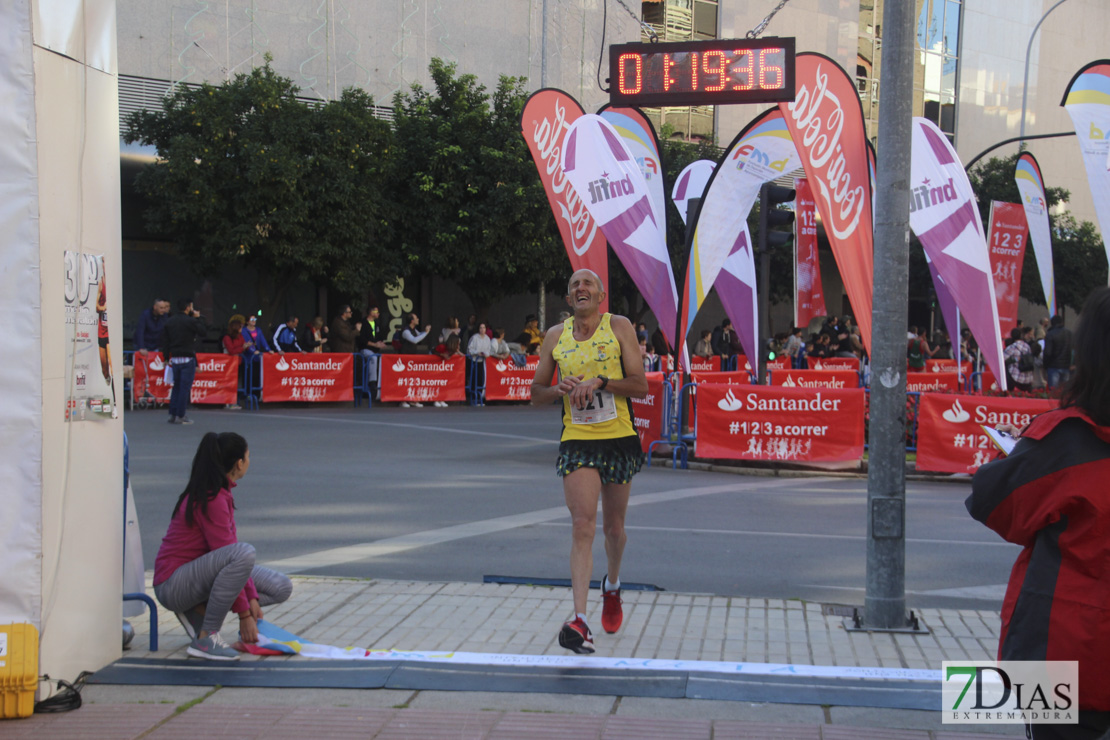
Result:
pixel 19 669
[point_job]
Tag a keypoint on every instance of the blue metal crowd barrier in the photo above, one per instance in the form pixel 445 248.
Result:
pixel 362 384
pixel 128 383
pixel 250 392
pixel 476 381
pixel 671 427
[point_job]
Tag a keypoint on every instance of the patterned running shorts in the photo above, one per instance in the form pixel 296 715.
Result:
pixel 616 460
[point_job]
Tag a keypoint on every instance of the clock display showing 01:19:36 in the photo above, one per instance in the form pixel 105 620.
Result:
pixel 702 72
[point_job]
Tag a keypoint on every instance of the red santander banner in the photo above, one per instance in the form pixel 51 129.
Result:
pixel 649 411
pixel 732 377
pixel 947 366
pixel 782 362
pixel 950 436
pixel 147 377
pixel 507 382
pixel 547 116
pixel 815 378
pixel 779 424
pixel 217 379
pixel 987 382
pixel 933 382
pixel 1007 235
pixel 825 121
pixel 216 382
pixel 705 364
pixel 833 363
pixel 809 295
pixel 423 378
pixel 308 377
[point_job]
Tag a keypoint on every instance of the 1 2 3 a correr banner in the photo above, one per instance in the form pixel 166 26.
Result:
pixel 950 436
pixel 309 377
pixel 649 411
pixel 422 379
pixel 507 382
pixel 216 382
pixel 779 424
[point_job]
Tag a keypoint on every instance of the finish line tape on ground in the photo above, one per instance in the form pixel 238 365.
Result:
pixel 274 638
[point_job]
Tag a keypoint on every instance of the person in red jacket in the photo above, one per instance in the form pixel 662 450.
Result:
pixel 202 571
pixel 1050 496
pixel 233 343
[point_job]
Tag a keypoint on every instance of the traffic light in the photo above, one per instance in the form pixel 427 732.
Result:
pixel 770 216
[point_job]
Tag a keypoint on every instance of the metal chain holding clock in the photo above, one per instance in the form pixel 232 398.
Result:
pixel 754 33
pixel 650 31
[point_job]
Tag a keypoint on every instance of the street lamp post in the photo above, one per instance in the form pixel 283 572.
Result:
pixel 1028 50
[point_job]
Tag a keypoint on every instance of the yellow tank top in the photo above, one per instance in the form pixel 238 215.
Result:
pixel 598 355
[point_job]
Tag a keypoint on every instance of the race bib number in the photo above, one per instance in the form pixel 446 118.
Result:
pixel 602 408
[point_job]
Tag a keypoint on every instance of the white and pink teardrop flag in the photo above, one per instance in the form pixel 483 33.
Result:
pixel 608 180
pixel 762 152
pixel 1030 185
pixel 691 183
pixel 639 136
pixel 737 290
pixel 1087 101
pixel 945 219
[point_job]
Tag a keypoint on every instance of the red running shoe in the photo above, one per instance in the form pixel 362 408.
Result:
pixel 576 636
pixel 611 613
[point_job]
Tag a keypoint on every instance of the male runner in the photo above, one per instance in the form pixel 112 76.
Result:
pixel 599 451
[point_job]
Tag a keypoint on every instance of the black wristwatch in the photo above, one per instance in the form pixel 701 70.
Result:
pixel 604 382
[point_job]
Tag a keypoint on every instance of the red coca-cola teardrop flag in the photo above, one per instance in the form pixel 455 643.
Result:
pixel 826 122
pixel 546 118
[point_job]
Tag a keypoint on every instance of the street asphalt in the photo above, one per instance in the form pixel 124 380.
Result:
pixel 461 493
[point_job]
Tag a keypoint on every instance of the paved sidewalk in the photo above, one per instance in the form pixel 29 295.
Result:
pixel 523 620
pixel 492 618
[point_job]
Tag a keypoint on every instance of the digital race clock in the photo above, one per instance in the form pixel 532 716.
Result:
pixel 702 72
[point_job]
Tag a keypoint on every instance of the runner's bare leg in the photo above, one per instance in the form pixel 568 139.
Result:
pixel 582 489
pixel 614 506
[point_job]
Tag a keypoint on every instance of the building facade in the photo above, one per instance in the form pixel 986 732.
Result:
pixel 970 71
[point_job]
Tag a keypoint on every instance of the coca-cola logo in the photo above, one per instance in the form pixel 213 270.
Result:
pixel 818 116
pixel 548 135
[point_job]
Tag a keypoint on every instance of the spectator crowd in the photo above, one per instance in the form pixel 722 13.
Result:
pixel 1036 357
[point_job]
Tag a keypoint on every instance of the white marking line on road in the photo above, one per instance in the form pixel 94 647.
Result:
pixel 803 535
pixel 451 430
pixel 993 592
pixel 626 664
pixel 393 545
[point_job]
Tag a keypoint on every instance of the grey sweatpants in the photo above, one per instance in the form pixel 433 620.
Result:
pixel 216 578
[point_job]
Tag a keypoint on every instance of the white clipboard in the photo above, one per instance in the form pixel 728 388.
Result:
pixel 1001 440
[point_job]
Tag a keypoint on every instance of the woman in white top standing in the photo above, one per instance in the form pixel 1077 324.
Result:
pixel 480 345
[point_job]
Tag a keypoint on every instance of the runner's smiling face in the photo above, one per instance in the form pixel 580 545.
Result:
pixel 584 291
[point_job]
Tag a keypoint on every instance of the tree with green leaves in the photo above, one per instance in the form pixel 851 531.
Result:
pixel 474 210
pixel 248 174
pixel 1078 256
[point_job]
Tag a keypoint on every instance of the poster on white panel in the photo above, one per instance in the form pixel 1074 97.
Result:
pixel 90 389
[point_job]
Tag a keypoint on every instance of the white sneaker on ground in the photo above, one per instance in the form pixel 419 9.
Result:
pixel 405 404
pixel 212 647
